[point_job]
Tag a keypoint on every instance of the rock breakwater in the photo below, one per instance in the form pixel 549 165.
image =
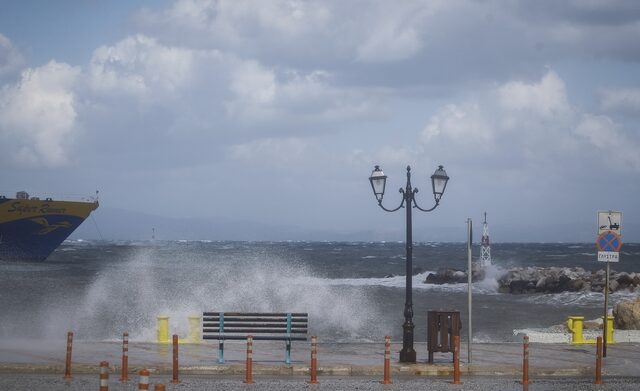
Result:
pixel 545 280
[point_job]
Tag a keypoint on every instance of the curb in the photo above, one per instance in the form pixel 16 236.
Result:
pixel 303 370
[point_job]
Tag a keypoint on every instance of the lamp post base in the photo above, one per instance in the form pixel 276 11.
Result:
pixel 408 356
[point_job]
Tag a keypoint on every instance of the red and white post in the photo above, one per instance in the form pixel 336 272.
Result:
pixel 124 376
pixel 525 361
pixel 248 379
pixel 104 376
pixel 456 359
pixel 175 380
pixel 143 383
pixel 67 364
pixel 314 361
pixel 387 361
pixel 599 361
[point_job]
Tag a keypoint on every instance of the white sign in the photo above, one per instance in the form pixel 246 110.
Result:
pixel 609 221
pixel 608 256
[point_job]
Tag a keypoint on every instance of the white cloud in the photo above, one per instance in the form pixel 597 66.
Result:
pixel 261 94
pixel 548 98
pixel 237 23
pixel 10 57
pixel 394 32
pixel 529 126
pixel 38 115
pixel 617 150
pixel 139 65
pixel 461 124
pixel 625 100
pixel 271 151
pixel 255 90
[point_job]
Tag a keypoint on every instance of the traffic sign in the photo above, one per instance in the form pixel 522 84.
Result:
pixel 609 241
pixel 608 256
pixel 609 221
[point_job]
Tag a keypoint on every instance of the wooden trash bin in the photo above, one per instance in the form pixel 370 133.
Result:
pixel 442 326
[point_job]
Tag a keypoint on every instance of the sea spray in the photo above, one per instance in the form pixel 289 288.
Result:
pixel 353 291
pixel 130 297
pixel 492 273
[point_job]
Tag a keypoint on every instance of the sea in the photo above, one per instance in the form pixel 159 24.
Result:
pixel 353 292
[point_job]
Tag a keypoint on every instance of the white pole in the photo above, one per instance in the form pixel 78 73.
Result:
pixel 469 278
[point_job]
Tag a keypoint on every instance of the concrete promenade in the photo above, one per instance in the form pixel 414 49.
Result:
pixel 334 359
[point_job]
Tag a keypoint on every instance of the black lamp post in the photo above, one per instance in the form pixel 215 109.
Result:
pixel 439 183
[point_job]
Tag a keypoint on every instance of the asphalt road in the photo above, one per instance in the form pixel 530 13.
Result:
pixel 475 383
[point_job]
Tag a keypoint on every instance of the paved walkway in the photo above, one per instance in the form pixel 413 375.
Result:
pixel 343 359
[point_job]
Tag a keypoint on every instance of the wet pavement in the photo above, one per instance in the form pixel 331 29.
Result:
pixel 334 359
pixel 337 383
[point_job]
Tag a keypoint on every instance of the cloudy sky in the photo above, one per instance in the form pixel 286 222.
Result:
pixel 276 111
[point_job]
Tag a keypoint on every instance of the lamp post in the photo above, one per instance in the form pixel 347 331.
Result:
pixel 378 181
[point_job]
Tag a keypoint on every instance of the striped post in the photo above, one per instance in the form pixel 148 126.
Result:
pixel 387 360
pixel 287 357
pixel 67 365
pixel 249 364
pixel 175 380
pixel 314 361
pixel 221 340
pixel 104 376
pixel 124 376
pixel 599 361
pixel 525 361
pixel 143 384
pixel 456 359
pixel 159 387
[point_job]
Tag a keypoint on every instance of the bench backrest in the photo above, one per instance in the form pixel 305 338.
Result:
pixel 260 325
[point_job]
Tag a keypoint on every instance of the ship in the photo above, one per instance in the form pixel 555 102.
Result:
pixel 32 228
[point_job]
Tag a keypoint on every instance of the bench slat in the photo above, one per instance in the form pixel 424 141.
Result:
pixel 249 331
pixel 257 325
pixel 255 338
pixel 236 319
pixel 264 314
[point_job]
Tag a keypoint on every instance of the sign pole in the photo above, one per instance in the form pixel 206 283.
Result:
pixel 606 313
pixel 608 245
pixel 469 279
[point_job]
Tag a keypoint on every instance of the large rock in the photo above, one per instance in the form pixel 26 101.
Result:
pixel 447 276
pixel 544 280
pixel 627 315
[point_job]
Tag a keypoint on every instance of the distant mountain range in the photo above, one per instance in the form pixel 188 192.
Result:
pixel 118 224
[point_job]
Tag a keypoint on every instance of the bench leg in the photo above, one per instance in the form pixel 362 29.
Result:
pixel 287 358
pixel 221 352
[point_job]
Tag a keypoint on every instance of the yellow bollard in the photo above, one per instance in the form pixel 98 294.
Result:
pixel 163 329
pixel 194 329
pixel 575 325
pixel 610 330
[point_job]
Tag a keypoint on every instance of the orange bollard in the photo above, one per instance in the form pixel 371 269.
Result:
pixel 314 361
pixel 456 360
pixel 599 361
pixel 159 387
pixel 67 365
pixel 525 361
pixel 387 361
pixel 104 376
pixel 143 384
pixel 249 368
pixel 124 376
pixel 175 360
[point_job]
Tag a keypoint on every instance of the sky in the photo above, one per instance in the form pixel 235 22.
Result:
pixel 275 112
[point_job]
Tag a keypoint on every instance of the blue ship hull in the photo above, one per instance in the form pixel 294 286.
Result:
pixel 31 229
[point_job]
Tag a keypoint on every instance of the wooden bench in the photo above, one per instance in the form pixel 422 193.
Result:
pixel 261 326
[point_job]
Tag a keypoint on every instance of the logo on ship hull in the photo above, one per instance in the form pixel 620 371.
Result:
pixel 48 228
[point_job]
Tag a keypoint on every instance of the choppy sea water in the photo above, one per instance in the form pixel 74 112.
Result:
pixel 352 291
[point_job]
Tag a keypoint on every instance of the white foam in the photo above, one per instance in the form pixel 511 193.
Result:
pixel 546 336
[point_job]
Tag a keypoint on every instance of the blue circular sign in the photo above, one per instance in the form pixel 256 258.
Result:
pixel 609 241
